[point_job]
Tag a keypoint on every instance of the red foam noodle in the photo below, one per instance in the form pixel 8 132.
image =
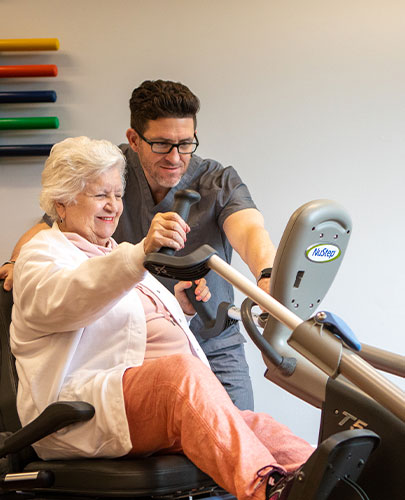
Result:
pixel 28 70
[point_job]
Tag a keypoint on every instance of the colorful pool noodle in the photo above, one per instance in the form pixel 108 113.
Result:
pixel 26 150
pixel 29 123
pixel 28 70
pixel 27 96
pixel 28 44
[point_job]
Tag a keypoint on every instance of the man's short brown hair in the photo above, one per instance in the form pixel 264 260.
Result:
pixel 155 99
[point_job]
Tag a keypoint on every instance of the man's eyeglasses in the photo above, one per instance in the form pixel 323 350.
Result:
pixel 164 148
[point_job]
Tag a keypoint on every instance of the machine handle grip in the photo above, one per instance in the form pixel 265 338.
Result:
pixel 182 203
pixel 203 309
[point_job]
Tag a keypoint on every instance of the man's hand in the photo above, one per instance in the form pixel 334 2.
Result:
pixel 166 230
pixel 6 273
pixel 202 293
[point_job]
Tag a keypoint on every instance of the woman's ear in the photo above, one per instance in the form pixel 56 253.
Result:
pixel 60 208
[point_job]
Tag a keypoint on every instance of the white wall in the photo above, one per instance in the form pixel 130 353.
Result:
pixel 305 98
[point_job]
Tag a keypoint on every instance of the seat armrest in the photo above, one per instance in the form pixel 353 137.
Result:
pixel 56 416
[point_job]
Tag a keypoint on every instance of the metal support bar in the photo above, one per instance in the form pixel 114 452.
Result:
pixel 234 313
pixel 373 383
pixel 390 362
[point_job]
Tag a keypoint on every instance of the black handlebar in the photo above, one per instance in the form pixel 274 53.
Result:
pixel 215 321
pixel 182 203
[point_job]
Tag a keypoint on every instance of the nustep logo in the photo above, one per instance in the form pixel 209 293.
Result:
pixel 323 252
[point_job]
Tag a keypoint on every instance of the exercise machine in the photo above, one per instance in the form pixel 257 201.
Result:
pixel 317 359
pixel 304 269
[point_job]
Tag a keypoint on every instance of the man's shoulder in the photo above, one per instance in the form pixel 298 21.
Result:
pixel 205 163
pixel 211 172
pixel 130 155
pixel 124 147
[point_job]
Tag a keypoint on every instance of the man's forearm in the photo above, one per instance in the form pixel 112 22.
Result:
pixel 260 251
pixel 248 236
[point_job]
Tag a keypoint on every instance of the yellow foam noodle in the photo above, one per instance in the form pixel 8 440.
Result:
pixel 22 44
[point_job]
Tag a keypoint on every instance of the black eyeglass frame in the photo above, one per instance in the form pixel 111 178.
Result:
pixel 177 145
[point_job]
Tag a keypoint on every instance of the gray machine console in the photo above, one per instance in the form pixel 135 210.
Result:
pixel 308 257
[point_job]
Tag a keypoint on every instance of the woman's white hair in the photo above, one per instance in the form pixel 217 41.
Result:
pixel 73 163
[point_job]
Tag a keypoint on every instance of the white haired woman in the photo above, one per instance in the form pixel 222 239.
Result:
pixel 89 323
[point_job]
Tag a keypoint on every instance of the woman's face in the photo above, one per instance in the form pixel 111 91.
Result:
pixel 97 210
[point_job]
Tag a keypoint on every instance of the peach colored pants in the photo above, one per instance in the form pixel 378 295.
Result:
pixel 175 404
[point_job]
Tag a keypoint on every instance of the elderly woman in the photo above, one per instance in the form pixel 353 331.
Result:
pixel 89 323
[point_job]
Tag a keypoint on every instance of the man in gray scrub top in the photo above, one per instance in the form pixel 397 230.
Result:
pixel 161 161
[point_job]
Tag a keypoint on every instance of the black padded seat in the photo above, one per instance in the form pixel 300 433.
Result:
pixel 140 477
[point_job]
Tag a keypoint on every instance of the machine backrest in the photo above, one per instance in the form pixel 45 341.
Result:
pixel 9 420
